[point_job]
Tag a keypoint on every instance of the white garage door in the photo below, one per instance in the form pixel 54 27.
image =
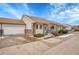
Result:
pixel 13 30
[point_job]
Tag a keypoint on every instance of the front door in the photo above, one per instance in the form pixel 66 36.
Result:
pixel 45 29
pixel 1 32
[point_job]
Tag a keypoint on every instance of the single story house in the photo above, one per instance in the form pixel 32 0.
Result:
pixel 35 25
pixel 28 25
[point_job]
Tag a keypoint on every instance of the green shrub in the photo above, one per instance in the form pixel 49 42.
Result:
pixel 63 31
pixel 39 35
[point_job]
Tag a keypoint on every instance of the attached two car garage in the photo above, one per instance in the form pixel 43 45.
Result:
pixel 11 27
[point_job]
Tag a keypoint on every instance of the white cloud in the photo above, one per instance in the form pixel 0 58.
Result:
pixel 27 9
pixel 8 8
pixel 25 6
pixel 73 15
pixel 54 12
pixel 76 9
pixel 67 11
pixel 16 12
pixel 57 4
pixel 68 16
pixel 61 13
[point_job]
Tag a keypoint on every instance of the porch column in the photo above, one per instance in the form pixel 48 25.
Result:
pixel 28 34
pixel 1 30
pixel 55 28
pixel 28 30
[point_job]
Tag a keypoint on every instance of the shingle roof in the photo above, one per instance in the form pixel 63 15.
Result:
pixel 34 20
pixel 11 21
pixel 41 20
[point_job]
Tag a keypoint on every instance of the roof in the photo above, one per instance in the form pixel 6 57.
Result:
pixel 11 21
pixel 45 21
pixel 34 20
pixel 38 20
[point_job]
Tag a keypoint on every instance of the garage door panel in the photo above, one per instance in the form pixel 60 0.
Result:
pixel 15 30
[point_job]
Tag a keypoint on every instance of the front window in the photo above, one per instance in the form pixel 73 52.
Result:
pixel 52 27
pixel 45 28
pixel 36 26
pixel 40 26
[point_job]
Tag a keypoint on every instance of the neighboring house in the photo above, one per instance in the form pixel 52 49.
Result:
pixel 76 28
pixel 68 27
pixel 28 25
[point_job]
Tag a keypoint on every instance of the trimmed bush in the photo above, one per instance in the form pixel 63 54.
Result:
pixel 63 31
pixel 39 35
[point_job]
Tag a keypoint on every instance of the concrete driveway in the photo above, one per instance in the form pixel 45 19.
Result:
pixel 65 44
pixel 7 41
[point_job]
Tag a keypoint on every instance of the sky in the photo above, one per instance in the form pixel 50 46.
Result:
pixel 67 13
